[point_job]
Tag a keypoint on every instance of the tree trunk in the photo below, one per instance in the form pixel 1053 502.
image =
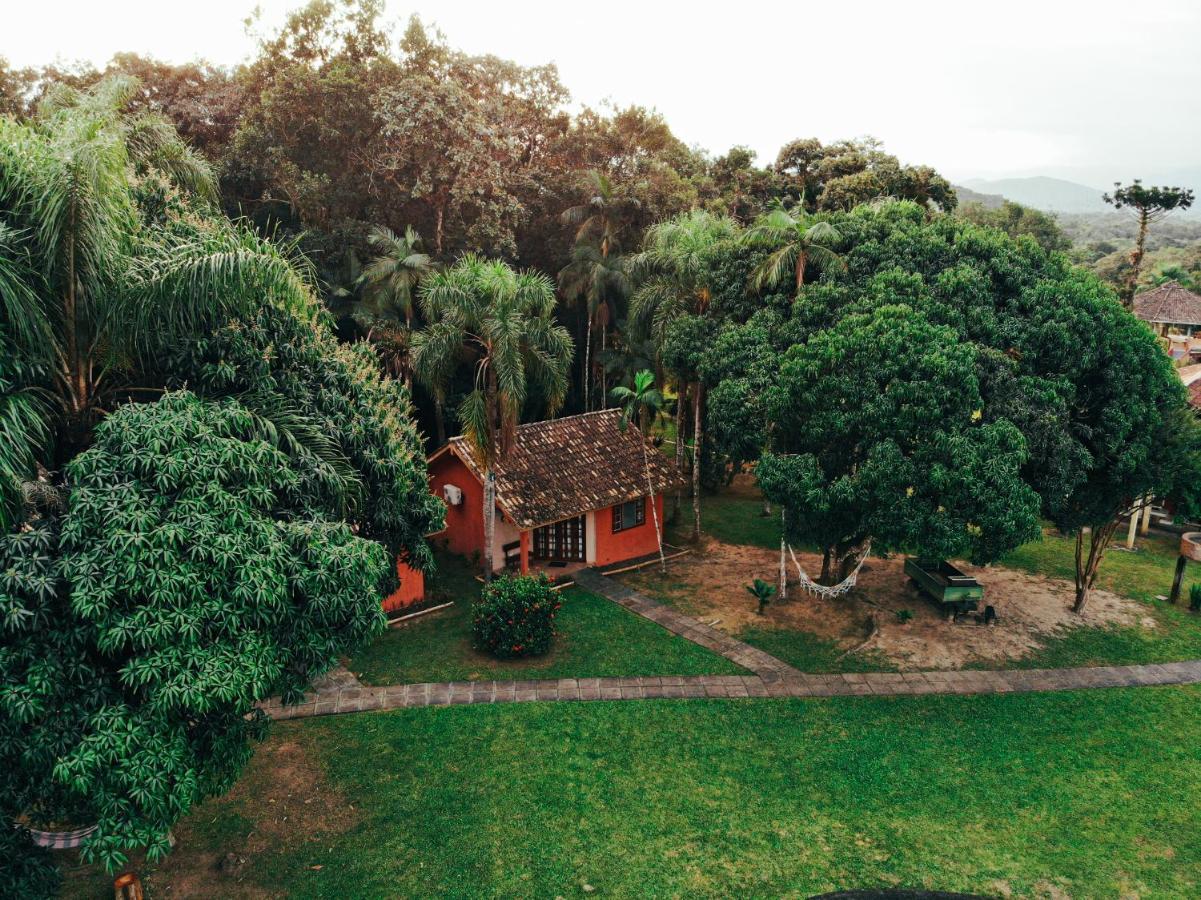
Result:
pixel 1136 257
pixel 604 401
pixel 1087 566
pixel 650 489
pixel 801 261
pixel 680 399
pixel 489 522
pixel 697 435
pixel 439 423
pixel 827 557
pixel 588 365
pixel 439 216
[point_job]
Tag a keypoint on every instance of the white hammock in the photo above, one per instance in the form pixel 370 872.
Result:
pixel 806 583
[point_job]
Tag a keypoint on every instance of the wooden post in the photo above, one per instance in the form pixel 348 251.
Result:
pixel 1146 526
pixel 524 537
pixel 1180 564
pixel 1133 530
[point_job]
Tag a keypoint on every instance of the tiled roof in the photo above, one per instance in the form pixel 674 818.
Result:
pixel 1169 303
pixel 1194 394
pixel 565 467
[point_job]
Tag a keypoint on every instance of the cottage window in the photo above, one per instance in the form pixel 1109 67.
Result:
pixel 628 515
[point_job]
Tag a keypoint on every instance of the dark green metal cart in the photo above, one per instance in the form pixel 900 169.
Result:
pixel 951 589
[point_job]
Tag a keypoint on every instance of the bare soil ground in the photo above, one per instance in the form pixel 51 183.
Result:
pixel 711 585
pixel 283 797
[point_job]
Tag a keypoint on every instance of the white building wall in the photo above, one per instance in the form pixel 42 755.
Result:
pixel 506 533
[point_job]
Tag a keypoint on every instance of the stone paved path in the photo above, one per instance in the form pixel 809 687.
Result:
pixel 340 692
pixel 751 658
pixel 346 700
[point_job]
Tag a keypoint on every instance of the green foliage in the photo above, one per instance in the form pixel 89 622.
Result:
pixel 189 579
pixel 350 432
pixel 881 426
pixel 762 592
pixel 515 616
pixel 904 615
pixel 1016 221
pixel 502 322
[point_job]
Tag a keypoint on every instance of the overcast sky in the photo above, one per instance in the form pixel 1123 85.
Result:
pixel 1094 90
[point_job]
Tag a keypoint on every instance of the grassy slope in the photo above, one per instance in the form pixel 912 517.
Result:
pixel 750 798
pixel 734 517
pixel 596 638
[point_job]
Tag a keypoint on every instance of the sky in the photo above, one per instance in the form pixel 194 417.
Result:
pixel 1092 91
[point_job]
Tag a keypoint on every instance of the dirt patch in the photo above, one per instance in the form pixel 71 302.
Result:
pixel 711 585
pixel 282 800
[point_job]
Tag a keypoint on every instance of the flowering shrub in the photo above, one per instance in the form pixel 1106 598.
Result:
pixel 515 616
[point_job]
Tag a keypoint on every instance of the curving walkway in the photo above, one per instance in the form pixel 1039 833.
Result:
pixel 340 692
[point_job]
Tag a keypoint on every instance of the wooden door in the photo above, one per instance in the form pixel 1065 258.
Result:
pixel 565 541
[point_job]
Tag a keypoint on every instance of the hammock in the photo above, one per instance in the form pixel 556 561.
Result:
pixel 807 584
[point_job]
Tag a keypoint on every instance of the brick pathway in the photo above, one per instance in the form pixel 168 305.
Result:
pixel 455 693
pixel 340 692
pixel 751 658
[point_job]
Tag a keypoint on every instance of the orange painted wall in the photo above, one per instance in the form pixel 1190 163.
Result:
pixel 464 532
pixel 628 544
pixel 411 590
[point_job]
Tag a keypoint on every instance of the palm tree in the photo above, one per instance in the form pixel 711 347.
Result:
pixel 390 279
pixel 598 281
pixel 674 271
pixel 502 321
pixel 643 403
pixel 91 289
pixel 601 220
pixel 596 274
pixel 797 240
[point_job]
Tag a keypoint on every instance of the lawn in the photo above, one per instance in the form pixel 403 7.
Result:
pixel 735 516
pixel 596 638
pixel 1086 794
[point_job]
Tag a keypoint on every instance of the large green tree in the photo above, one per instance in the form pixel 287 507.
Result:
pixel 501 323
pixel 880 437
pixel 168 565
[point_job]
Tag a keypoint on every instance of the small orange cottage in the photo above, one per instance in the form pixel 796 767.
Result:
pixel 570 493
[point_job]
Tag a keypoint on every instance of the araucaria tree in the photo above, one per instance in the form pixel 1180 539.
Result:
pixel 1149 204
pixel 502 322
pixel 168 564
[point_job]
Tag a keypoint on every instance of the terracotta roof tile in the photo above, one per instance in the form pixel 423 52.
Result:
pixel 564 467
pixel 1169 303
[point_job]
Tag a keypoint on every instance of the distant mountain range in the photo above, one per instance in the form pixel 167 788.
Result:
pixel 1047 194
pixel 1054 195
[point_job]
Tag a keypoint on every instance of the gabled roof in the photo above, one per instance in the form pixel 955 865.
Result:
pixel 564 467
pixel 1170 304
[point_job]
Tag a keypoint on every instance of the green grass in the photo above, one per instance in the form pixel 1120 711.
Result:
pixel 596 638
pixel 1021 795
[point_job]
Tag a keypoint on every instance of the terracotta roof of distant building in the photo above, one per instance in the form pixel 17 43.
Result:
pixel 1170 304
pixel 564 467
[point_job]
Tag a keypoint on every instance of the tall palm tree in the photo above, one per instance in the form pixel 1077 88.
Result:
pixel 597 274
pixel 643 403
pixel 91 290
pixel 597 282
pixel 502 322
pixel 675 274
pixel 797 240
